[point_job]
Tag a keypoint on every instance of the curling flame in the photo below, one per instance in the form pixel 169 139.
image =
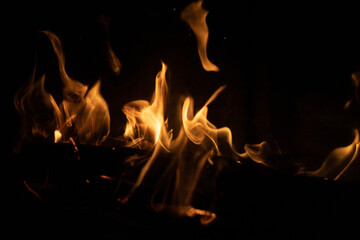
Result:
pixel 259 152
pixel 195 15
pixel 147 128
pixel 86 112
pixel 338 160
pixel 82 113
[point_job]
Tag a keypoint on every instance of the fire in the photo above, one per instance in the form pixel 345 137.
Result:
pixel 146 120
pixel 82 112
pixel 195 15
pixel 37 108
pixel 85 112
pixel 147 128
pixel 338 161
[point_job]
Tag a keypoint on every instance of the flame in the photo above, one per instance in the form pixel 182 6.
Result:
pixel 85 112
pixel 146 120
pixel 147 128
pixel 195 15
pixel 37 108
pixel 113 60
pixel 198 127
pixel 355 79
pixel 259 153
pixel 89 117
pixel 57 136
pixel 82 112
pixel 338 161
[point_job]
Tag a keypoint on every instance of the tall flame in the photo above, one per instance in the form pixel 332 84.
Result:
pixel 146 120
pixel 147 128
pixel 195 15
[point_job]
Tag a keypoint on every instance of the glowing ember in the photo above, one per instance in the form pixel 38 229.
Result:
pixel 85 111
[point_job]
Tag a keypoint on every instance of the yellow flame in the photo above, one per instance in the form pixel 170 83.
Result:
pixel 195 15
pixel 57 136
pixel 146 120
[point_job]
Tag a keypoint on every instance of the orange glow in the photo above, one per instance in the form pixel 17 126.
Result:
pixel 146 120
pixel 195 15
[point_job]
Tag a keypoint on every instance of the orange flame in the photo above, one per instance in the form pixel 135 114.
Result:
pixel 37 108
pixel 82 112
pixel 338 161
pixel 147 128
pixel 195 15
pixel 198 127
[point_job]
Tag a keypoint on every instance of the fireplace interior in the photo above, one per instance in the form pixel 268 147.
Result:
pixel 288 75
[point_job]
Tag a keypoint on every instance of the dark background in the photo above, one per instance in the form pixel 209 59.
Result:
pixel 287 66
